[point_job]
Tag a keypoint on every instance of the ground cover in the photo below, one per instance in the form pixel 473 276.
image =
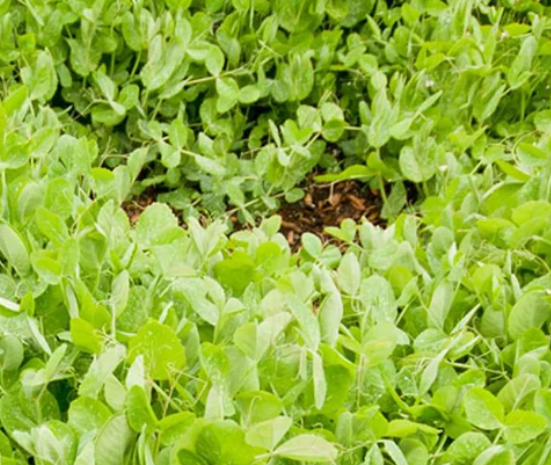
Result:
pixel 154 311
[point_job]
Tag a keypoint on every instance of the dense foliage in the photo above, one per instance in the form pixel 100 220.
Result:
pixel 423 343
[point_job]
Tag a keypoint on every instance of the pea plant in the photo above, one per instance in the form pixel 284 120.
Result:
pixel 162 343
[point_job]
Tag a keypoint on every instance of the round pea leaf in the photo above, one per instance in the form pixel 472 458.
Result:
pixel 308 447
pixel 162 351
pixel 483 409
pixel 521 426
pixel 87 414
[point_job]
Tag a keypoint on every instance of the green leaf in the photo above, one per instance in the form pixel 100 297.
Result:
pixel 299 76
pixel 330 317
pixel 84 60
pixel 162 61
pixel 378 298
pixel 258 406
pixel 174 425
pixel 113 441
pixel 320 383
pixel 224 442
pixel 210 165
pixel 519 70
pixel 106 85
pixel 513 171
pixel 41 79
pixel 235 272
pixel 69 257
pixel 333 130
pixel 87 414
pixel 52 226
pixel 53 441
pixel 153 224
pixel 440 304
pixel 312 244
pixel 59 196
pixel 14 250
pixel 295 17
pixel 352 172
pixel 85 336
pixel 542 404
pixel 417 167
pixel 348 12
pixel 496 455
pixel 514 393
pixel 483 409
pixel 86 455
pixel 379 343
pixel 178 134
pixel 228 94
pixel 307 321
pixel 115 393
pixel 249 94
pixel 491 95
pixel 404 428
pixel 294 195
pixel 349 274
pixel 119 292
pixel 307 447
pixel 16 415
pixel 138 410
pixel 46 267
pixel 532 310
pixel 395 453
pixel 100 370
pixel 522 426
pixel 128 96
pixel 162 350
pixel 331 112
pixel 268 434
pixel 15 100
pixel 103 181
pixel 214 61
pixel 170 156
pixel 467 447
pixel 401 130
pixel 526 212
pixel 11 352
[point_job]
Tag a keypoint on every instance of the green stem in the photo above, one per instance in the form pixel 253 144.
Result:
pixel 5 205
pixel 383 192
pixel 390 389
pixel 136 64
pixel 426 189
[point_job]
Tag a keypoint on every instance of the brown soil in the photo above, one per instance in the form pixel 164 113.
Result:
pixel 137 205
pixel 323 205
pixel 328 205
